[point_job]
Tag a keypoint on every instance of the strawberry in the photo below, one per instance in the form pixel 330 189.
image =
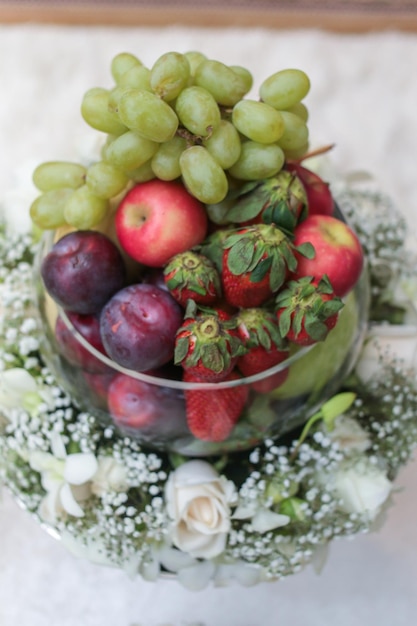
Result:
pixel 213 413
pixel 307 310
pixel 256 262
pixel 207 346
pixel 259 330
pixel 279 200
pixel 190 275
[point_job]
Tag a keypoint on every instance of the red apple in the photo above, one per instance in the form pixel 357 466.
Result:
pixel 338 252
pixel 158 219
pixel 319 197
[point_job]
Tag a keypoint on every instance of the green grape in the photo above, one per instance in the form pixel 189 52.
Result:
pixel 295 133
pixel 95 111
pixel 114 98
pixel 202 175
pixel 121 63
pixel 150 116
pixel 258 121
pixel 285 88
pixel 47 210
pixel 56 174
pixel 84 210
pixel 129 151
pixel 257 161
pixel 169 75
pixel 300 109
pixel 225 85
pixel 143 173
pixel 137 77
pixel 194 58
pixel 197 110
pixel 224 144
pixel 244 74
pixel 105 180
pixel 166 160
pixel 296 153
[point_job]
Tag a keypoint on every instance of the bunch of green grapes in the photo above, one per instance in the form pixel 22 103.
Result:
pixel 184 118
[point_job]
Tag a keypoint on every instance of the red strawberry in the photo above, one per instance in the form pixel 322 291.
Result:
pixel 207 346
pixel 213 413
pixel 279 200
pixel 190 275
pixel 256 263
pixel 259 330
pixel 307 310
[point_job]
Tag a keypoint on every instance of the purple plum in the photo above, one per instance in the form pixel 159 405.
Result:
pixel 82 271
pixel 156 411
pixel 88 326
pixel 138 327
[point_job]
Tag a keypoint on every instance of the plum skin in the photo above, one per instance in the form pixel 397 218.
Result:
pixel 155 410
pixel 82 271
pixel 138 327
pixel 88 327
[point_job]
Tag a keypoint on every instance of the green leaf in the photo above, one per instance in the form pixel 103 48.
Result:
pixel 261 270
pixel 284 322
pixel 212 358
pixel 307 250
pixel 181 349
pixel 316 329
pixel 240 256
pixel 278 273
pixel 264 338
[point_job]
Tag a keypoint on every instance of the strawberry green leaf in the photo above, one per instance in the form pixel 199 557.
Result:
pixel 181 349
pixel 261 270
pixel 212 358
pixel 307 250
pixel 284 322
pixel 240 256
pixel 316 329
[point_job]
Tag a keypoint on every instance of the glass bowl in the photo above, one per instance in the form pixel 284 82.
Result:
pixel 277 400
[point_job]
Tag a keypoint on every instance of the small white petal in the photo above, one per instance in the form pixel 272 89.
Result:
pixel 265 520
pixel 198 576
pixel 79 468
pixel 14 384
pixel 69 503
pixel 247 575
pixel 58 446
pixel 174 560
pixel 245 511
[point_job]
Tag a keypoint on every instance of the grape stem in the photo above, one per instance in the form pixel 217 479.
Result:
pixel 314 153
pixel 193 140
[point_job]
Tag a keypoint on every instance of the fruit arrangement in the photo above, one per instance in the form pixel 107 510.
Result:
pixel 198 257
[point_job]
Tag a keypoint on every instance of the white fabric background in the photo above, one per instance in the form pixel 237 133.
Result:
pixel 363 99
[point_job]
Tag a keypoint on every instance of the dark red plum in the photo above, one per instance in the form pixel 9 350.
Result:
pixel 88 326
pixel 97 386
pixel 155 410
pixel 138 327
pixel 82 271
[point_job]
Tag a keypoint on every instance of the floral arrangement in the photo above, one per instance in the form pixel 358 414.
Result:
pixel 254 516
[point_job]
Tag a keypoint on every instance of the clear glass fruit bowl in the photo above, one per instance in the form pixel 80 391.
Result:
pixel 153 408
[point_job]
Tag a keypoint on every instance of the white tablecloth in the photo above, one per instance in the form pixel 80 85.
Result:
pixel 363 99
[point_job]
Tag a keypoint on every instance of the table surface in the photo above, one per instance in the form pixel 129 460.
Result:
pixel 362 99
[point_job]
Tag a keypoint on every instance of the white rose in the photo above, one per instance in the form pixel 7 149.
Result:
pixel 395 341
pixel 198 502
pixel 349 435
pixel 362 488
pixel 110 476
